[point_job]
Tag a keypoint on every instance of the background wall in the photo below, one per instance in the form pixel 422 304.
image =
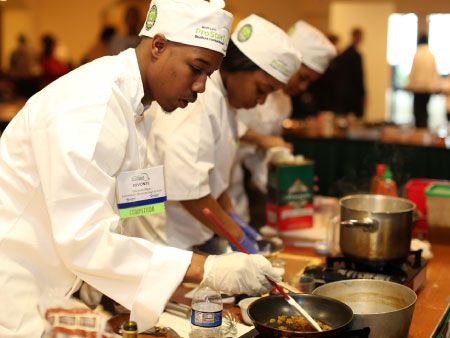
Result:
pixel 373 19
pixel 77 24
pixel 282 12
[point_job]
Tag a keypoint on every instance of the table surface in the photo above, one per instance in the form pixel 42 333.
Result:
pixel 432 299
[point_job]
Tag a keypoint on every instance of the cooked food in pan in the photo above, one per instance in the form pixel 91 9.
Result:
pixel 295 323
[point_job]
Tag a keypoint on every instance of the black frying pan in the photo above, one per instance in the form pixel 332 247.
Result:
pixel 329 311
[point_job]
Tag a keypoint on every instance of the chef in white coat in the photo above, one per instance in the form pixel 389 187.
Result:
pixel 198 146
pixel 266 119
pixel 71 152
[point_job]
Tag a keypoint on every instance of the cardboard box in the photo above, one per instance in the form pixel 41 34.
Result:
pixel 290 196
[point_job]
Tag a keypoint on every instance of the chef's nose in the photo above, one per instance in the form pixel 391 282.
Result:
pixel 199 84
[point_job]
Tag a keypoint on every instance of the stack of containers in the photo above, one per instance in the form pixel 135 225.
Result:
pixel 415 192
pixel 438 212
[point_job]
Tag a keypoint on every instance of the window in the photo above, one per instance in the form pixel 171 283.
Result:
pixel 438 40
pixel 401 45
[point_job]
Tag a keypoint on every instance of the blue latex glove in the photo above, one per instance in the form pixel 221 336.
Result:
pixel 249 244
pixel 248 230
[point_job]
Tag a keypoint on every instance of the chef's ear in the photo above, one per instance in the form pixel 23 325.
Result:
pixel 159 44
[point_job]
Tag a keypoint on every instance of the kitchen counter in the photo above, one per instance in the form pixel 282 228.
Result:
pixel 432 299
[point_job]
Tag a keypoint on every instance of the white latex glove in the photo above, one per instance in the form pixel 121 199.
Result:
pixel 239 273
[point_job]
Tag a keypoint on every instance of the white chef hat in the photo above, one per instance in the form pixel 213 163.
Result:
pixel 191 22
pixel 268 46
pixel 316 49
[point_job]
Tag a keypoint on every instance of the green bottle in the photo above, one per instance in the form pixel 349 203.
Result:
pixel 129 329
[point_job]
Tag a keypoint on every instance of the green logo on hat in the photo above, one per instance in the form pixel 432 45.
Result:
pixel 291 31
pixel 245 32
pixel 151 17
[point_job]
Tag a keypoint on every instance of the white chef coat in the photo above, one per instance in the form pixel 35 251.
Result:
pixel 197 147
pixel 59 159
pixel 424 77
pixel 266 119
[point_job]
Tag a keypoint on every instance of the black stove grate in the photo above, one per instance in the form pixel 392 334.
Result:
pixel 339 268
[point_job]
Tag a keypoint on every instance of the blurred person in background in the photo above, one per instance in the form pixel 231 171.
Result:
pixel 446 92
pixel 321 94
pixel 130 38
pixel 266 119
pixel 51 66
pixel 102 46
pixel 423 81
pixel 351 97
pixel 23 68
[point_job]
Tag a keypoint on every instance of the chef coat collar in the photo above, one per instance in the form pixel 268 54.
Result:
pixel 216 78
pixel 132 82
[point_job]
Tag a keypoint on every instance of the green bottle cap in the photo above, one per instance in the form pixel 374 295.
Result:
pixel 129 326
pixel 387 174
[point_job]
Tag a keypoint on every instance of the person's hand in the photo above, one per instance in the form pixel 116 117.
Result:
pixel 249 244
pixel 239 273
pixel 248 230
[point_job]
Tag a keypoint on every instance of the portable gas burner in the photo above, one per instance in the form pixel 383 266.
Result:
pixel 410 271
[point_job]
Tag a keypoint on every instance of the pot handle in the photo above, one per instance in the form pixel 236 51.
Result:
pixel 367 224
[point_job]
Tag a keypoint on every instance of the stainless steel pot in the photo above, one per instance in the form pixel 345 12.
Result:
pixel 376 227
pixel 385 307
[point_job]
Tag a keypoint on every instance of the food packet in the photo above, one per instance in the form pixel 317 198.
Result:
pixel 69 318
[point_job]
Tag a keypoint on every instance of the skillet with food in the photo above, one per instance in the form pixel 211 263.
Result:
pixel 273 316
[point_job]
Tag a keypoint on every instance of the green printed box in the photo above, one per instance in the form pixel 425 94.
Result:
pixel 290 196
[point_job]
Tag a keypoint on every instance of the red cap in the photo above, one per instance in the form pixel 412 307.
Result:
pixel 381 167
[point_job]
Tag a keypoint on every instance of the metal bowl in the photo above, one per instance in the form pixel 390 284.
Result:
pixel 385 307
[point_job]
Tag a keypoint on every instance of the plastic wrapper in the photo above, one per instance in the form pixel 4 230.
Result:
pixel 69 318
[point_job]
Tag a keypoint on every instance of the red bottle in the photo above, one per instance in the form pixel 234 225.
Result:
pixel 374 182
pixel 387 185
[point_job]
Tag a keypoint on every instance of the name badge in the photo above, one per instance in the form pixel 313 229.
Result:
pixel 141 192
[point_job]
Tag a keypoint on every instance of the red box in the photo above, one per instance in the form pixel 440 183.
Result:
pixel 415 192
pixel 288 217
